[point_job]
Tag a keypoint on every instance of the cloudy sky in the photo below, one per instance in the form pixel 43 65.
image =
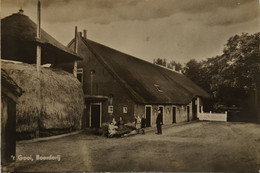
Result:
pixel 173 29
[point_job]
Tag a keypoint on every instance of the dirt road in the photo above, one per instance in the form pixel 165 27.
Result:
pixel 197 146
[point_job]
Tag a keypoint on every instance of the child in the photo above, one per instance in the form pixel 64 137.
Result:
pixel 111 130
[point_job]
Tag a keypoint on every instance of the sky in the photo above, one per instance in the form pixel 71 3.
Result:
pixel 177 30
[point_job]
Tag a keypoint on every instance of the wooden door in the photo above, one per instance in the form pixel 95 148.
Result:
pixel 161 109
pixel 95 115
pixel 173 114
pixel 148 116
pixel 194 109
pixel 188 113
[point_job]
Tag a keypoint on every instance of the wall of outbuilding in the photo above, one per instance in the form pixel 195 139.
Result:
pixel 181 113
pixel 8 127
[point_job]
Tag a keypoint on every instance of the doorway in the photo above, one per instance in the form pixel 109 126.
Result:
pixel 188 113
pixel 173 114
pixel 148 112
pixel 95 115
pixel 194 109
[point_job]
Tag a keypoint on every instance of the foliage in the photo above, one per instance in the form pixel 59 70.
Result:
pixel 239 69
pixel 233 77
pixel 160 61
pixel 174 65
pixel 195 71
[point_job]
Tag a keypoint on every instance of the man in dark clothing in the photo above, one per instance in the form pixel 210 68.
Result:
pixel 159 122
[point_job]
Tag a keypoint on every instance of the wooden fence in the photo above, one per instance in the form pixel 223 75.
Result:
pixel 213 116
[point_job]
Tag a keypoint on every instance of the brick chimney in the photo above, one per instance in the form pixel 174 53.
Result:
pixel 85 33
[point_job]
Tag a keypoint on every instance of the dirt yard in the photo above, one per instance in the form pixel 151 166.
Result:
pixel 196 146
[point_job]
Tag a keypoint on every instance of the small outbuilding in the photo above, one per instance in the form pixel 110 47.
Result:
pixel 10 92
pixel 53 99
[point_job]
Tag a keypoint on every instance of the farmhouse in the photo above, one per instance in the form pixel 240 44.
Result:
pixel 116 84
pixel 53 99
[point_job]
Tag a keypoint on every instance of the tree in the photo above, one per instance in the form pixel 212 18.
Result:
pixel 175 65
pixel 232 78
pixel 238 72
pixel 197 72
pixel 160 61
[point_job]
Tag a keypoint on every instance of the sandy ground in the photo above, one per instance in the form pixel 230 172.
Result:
pixel 196 146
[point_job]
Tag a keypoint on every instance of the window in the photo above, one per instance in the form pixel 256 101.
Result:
pixel 158 88
pixel 80 74
pixel 124 110
pixel 110 109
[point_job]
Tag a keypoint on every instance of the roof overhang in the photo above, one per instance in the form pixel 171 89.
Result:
pixel 95 97
pixel 25 51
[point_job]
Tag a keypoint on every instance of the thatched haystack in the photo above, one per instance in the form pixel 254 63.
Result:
pixel 53 100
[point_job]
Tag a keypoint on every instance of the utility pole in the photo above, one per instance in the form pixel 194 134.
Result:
pixel 76 51
pixel 38 49
pixel 38 62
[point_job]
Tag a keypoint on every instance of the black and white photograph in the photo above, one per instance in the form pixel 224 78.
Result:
pixel 130 86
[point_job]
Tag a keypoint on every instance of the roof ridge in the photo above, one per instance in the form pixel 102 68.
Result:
pixel 150 63
pixel 13 14
pixel 25 30
pixel 168 69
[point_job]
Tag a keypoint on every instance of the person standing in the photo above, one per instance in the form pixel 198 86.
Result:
pixel 159 122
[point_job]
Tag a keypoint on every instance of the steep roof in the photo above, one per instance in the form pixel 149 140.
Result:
pixel 18 34
pixel 8 83
pixel 147 83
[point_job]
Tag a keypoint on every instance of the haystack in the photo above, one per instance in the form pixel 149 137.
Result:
pixel 53 100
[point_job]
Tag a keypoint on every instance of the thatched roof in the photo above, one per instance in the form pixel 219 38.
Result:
pixel 52 99
pixel 18 38
pixel 8 83
pixel 147 83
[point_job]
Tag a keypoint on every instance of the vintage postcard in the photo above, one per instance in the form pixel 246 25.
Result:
pixel 130 86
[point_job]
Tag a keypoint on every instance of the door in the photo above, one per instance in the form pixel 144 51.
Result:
pixel 188 113
pixel 194 109
pixel 95 115
pixel 173 114
pixel 148 111
pixel 161 109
